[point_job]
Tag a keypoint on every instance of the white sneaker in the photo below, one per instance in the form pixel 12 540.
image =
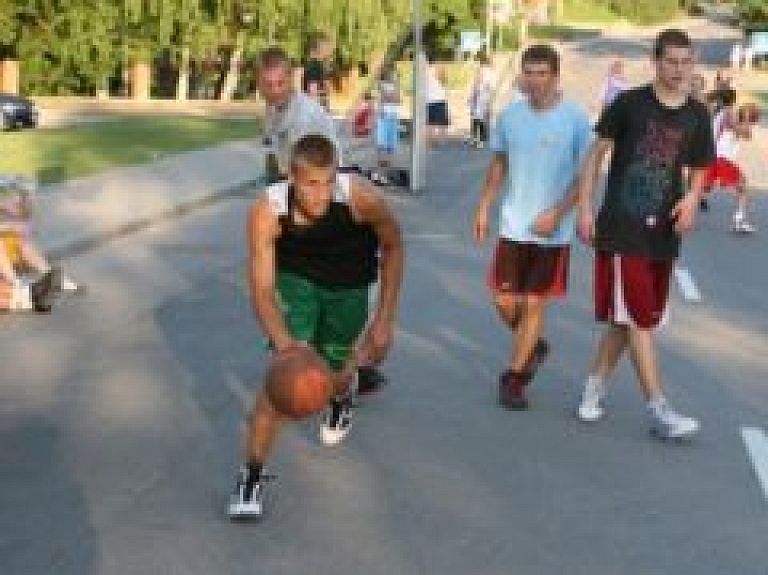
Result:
pixel 591 405
pixel 666 423
pixel 744 227
pixel 66 284
pixel 336 422
pixel 248 499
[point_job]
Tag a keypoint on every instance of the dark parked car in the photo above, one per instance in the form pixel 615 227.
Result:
pixel 17 112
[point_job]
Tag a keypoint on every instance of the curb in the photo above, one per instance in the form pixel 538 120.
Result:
pixel 99 239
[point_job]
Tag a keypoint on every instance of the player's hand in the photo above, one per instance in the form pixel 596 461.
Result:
pixel 377 342
pixel 684 213
pixel 586 226
pixel 547 222
pixel 480 224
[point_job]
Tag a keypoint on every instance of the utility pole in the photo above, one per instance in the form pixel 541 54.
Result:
pixel 418 102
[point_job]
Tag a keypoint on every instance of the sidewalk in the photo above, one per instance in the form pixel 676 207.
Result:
pixel 75 216
pixel 80 214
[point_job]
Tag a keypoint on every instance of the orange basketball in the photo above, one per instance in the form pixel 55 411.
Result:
pixel 298 383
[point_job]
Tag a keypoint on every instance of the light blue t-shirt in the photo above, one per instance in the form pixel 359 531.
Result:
pixel 544 151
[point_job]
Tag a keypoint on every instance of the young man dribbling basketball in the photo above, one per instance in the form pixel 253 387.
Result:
pixel 317 243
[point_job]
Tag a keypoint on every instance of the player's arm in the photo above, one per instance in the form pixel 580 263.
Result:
pixel 548 221
pixel 494 178
pixel 262 232
pixel 701 154
pixel 586 184
pixel 371 208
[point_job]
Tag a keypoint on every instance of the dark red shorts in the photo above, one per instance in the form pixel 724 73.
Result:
pixel 523 268
pixel 723 173
pixel 631 290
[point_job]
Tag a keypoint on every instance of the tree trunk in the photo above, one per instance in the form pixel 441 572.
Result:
pixel 141 80
pixel 233 73
pixel 182 84
pixel 9 76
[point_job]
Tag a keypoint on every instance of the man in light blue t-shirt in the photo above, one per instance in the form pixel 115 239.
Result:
pixel 538 145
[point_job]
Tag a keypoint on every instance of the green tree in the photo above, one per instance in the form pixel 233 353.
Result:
pixel 753 11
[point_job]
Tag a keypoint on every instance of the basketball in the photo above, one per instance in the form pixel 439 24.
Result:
pixel 298 383
pixel 749 113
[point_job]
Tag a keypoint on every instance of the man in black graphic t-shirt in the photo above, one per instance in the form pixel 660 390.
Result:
pixel 653 131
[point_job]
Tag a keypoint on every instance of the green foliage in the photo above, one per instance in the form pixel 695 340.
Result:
pixel 58 154
pixel 644 11
pixel 753 11
pixel 75 46
pixel 588 11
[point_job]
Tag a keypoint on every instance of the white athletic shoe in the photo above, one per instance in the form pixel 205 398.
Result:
pixel 743 227
pixel 336 422
pixel 69 286
pixel 666 423
pixel 591 404
pixel 248 498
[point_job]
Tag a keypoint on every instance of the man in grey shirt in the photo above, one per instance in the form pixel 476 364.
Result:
pixel 290 113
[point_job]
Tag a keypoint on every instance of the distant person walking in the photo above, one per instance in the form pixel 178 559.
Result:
pixel 724 173
pixel 480 98
pixel 614 84
pixel 437 105
pixel 315 81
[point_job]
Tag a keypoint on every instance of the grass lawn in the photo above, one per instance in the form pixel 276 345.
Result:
pixel 588 11
pixel 57 154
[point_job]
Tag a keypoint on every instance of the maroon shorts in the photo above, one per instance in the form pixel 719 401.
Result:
pixel 631 290
pixel 723 173
pixel 529 269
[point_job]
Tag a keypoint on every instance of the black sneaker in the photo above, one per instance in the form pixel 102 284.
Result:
pixel 247 501
pixel 538 356
pixel 43 290
pixel 512 390
pixel 336 422
pixel 369 380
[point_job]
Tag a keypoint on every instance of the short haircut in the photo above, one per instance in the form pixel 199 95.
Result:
pixel 670 37
pixel 273 57
pixel 315 150
pixel 726 96
pixel 542 53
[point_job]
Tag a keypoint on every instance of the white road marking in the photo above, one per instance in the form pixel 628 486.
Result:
pixel 687 284
pixel 756 443
pixel 430 236
pixel 238 389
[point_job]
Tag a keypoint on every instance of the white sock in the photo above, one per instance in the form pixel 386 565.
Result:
pixel 67 284
pixel 739 216
pixel 595 381
pixel 655 404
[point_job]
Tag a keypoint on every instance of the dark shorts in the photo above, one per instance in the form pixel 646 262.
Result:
pixel 437 114
pixel 529 269
pixel 631 290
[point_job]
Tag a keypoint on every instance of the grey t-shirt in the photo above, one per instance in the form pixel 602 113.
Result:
pixel 300 116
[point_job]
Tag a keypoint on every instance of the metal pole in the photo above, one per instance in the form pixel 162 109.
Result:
pixel 418 103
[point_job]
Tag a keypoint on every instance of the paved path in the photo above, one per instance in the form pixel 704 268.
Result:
pixel 120 415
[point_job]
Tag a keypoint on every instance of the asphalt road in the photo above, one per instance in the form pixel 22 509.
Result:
pixel 120 417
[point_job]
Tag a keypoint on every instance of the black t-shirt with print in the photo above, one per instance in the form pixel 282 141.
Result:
pixel 652 143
